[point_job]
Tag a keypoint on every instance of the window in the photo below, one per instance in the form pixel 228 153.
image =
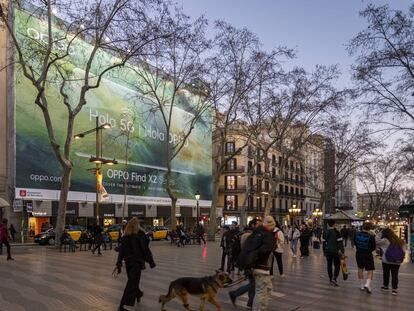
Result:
pixel 267 186
pixel 259 169
pixel 273 204
pixel 281 188
pixel 301 191
pixel 250 202
pixel 301 205
pixel 273 159
pixel 250 165
pixel 230 147
pixel 297 190
pixel 231 182
pixel 280 204
pixel 251 182
pixel 232 164
pixel 231 202
pixel 259 186
pixel 291 190
pixel 286 204
pixel 286 189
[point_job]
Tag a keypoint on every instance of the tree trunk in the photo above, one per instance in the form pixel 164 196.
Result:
pixel 173 213
pixel 64 191
pixel 213 210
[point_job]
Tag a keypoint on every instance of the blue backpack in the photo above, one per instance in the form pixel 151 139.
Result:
pixel 394 254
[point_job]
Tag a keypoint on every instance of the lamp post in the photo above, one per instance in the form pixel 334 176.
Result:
pixel 293 211
pixel 97 159
pixel 197 197
pixel 317 213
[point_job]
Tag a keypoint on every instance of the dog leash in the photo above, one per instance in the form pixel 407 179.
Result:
pixel 242 279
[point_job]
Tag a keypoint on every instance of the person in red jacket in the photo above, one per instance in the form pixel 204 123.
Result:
pixel 4 237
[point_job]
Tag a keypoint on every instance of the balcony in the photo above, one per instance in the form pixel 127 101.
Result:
pixel 237 169
pixel 239 189
pixel 274 163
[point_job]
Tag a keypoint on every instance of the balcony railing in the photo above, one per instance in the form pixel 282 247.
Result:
pixel 239 189
pixel 237 169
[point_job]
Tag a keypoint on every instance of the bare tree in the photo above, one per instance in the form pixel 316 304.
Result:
pixel 381 179
pixel 171 81
pixel 384 72
pixel 121 27
pixel 236 71
pixel 346 148
pixel 294 107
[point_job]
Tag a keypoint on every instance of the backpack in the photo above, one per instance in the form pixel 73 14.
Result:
pixel 250 252
pixel 394 254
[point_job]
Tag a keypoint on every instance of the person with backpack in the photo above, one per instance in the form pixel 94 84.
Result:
pixel 278 251
pixel 256 255
pixel 392 258
pixel 333 249
pixel 294 235
pixel 249 288
pixel 365 245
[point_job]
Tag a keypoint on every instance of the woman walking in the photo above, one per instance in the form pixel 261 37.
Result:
pixel 393 256
pixel 135 252
pixel 294 235
pixel 278 252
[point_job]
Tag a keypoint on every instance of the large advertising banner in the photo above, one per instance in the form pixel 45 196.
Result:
pixel 119 101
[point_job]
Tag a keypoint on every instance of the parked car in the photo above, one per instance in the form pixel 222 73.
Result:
pixel 48 237
pixel 158 233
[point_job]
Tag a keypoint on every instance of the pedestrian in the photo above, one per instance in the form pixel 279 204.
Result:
pixel 249 288
pixel 278 251
pixel 351 235
pixel 365 245
pixel 231 240
pixel 65 238
pixel 97 238
pixel 122 230
pixel 318 233
pixel 134 251
pixel 344 234
pixel 294 235
pixel 257 255
pixel 305 236
pixel 286 233
pixel 200 234
pixel 392 258
pixel 333 249
pixel 223 246
pixel 13 232
pixel 5 238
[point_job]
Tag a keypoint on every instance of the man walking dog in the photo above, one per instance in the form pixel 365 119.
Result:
pixel 256 255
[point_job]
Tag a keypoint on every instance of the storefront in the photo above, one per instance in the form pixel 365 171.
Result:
pixel 39 216
pixel 107 214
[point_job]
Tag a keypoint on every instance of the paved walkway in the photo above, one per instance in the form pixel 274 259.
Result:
pixel 42 279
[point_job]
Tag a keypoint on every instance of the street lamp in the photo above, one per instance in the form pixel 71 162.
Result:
pixel 98 159
pixel 317 213
pixel 293 211
pixel 197 197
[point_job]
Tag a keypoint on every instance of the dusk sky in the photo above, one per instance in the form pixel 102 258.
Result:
pixel 317 29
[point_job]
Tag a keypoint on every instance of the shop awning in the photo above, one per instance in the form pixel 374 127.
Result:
pixel 4 203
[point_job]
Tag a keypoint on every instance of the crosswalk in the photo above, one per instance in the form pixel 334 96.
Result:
pixel 44 279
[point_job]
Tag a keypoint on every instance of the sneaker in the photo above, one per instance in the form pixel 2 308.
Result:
pixel 385 288
pixel 249 307
pixel 232 298
pixel 294 256
pixel 394 292
pixel 334 283
pixel 282 276
pixel 368 289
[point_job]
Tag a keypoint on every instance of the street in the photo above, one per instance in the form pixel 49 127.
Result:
pixel 44 279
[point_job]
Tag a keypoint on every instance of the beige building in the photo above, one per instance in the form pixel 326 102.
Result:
pixel 244 187
pixel 377 206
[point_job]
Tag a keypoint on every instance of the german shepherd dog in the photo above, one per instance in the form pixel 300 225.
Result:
pixel 206 288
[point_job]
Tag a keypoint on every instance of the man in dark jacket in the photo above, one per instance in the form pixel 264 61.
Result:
pixel 305 236
pixel 345 234
pixel 334 248
pixel 97 238
pixel 260 245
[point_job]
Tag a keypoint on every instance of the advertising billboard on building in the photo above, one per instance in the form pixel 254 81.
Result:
pixel 116 101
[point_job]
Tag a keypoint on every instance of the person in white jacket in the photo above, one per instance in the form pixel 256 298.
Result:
pixel 393 255
pixel 293 236
pixel 278 252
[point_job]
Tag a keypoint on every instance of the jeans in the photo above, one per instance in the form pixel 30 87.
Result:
pixel 294 246
pixel 393 269
pixel 263 289
pixel 278 257
pixel 336 261
pixel 248 288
